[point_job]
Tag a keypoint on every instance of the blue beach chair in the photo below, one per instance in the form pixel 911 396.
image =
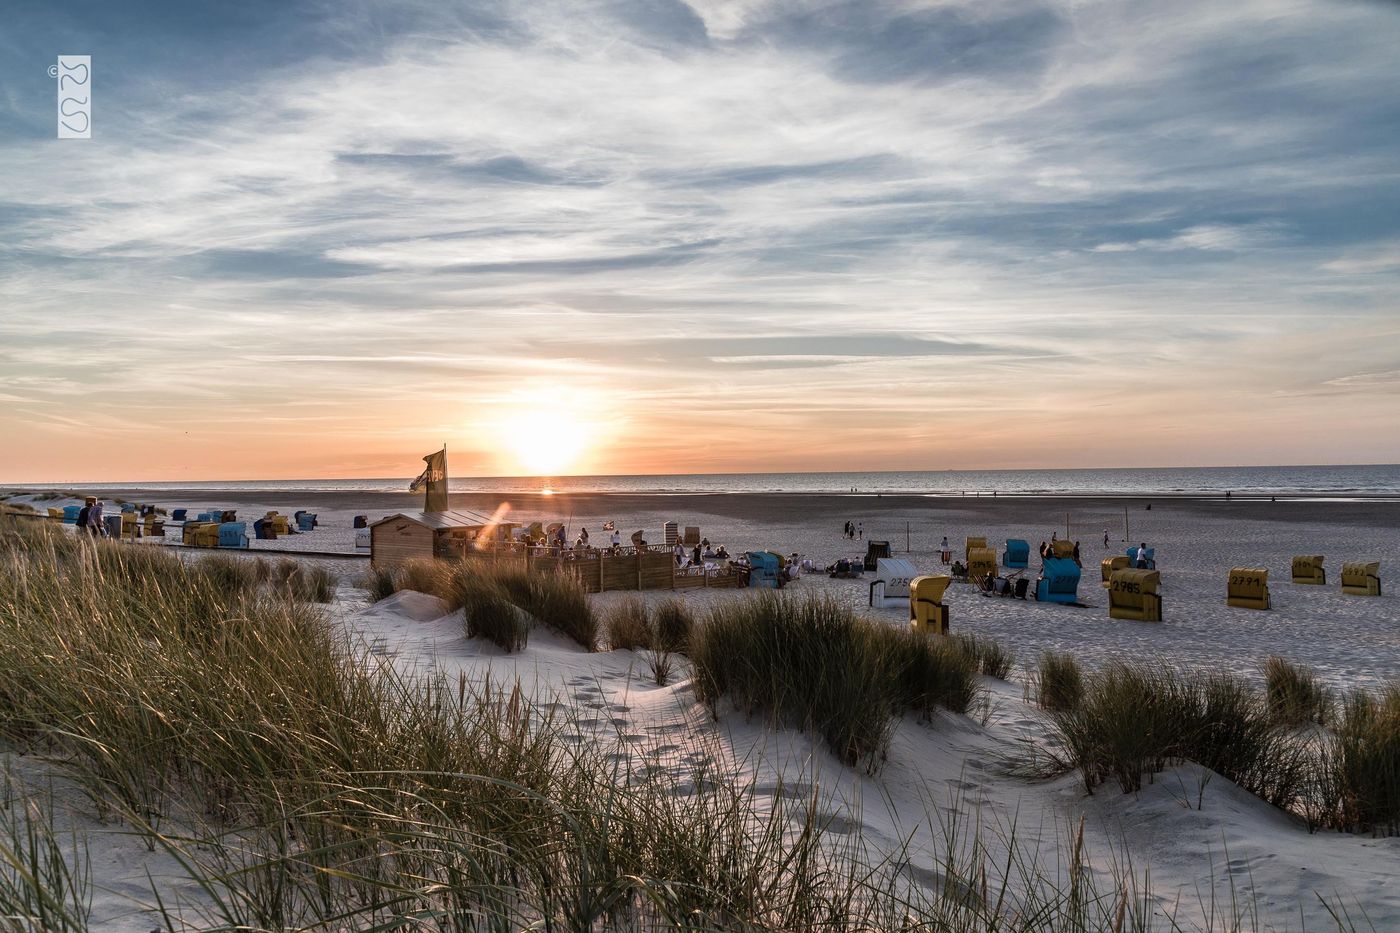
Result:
pixel 1018 554
pixel 233 534
pixel 1059 581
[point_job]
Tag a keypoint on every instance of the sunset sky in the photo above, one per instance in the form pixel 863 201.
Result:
pixel 635 236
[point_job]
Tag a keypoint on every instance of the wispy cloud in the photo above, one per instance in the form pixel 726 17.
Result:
pixel 401 213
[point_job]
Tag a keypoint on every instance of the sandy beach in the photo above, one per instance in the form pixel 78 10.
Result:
pixel 1201 837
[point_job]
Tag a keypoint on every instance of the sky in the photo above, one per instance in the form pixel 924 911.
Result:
pixel 657 236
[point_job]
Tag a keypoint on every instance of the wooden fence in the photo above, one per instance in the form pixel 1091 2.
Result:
pixel 651 567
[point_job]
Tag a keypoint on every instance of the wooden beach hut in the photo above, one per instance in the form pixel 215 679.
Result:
pixel 406 535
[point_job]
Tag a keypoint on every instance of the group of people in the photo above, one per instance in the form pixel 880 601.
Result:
pixel 696 556
pixel 853 530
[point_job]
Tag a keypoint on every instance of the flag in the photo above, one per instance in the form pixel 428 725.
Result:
pixel 609 526
pixel 433 480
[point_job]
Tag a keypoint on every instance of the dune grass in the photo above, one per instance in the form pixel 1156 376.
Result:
pixel 993 659
pixel 320 789
pixel 1136 719
pixel 814 664
pixel 1361 764
pixel 627 625
pixel 1059 681
pixel 673 624
pixel 1295 694
pixel 487 608
pixel 556 600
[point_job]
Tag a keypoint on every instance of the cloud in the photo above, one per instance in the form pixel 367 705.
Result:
pixel 915 203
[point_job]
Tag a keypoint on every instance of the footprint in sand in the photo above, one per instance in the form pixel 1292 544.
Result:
pixel 960 785
pixel 618 722
pixel 633 737
pixel 834 823
pixel 666 749
pixel 787 791
pixel 622 709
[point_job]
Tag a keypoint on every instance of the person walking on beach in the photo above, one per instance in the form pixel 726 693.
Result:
pixel 1142 556
pixel 1105 537
pixel 1076 553
pixel 95 519
pixel 944 553
pixel 860 532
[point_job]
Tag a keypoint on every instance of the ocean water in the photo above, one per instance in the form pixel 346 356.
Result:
pixel 1293 481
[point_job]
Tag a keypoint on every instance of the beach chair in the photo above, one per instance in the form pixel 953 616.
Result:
pixel 71 513
pixel 1058 582
pixel 890 588
pixel 927 613
pixel 763 569
pixel 112 524
pixel 874 552
pixel 981 564
pixel 1362 578
pixel 1062 549
pixel 178 515
pixel 55 514
pixel 1018 554
pixel 970 545
pixel 1109 565
pixel 233 534
pixel 188 532
pixel 131 527
pixel 1248 588
pixel 306 521
pixel 153 526
pixel 1132 594
pixel 670 533
pixel 638 539
pixel 692 536
pixel 1309 570
pixel 206 534
pixel 361 521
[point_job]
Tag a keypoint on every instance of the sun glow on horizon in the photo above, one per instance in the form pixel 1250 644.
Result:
pixel 547 437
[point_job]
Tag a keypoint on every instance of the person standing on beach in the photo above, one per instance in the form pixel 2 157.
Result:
pixel 95 519
pixel 1142 556
pixel 1076 553
pixel 83 514
pixel 860 532
pixel 583 536
pixel 1105 537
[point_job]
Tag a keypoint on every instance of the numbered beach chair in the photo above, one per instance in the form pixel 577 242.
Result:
pixel 1309 570
pixel 233 534
pixel 981 565
pixel 1132 594
pixel 1362 578
pixel 1059 581
pixel 1248 588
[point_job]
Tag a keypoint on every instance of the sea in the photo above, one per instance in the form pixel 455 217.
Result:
pixel 1323 482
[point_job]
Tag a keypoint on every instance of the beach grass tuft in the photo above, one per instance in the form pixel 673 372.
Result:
pixel 1295 694
pixel 993 659
pixel 673 623
pixel 1059 681
pixel 812 663
pixel 627 624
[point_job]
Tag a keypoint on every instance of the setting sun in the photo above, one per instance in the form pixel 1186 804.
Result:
pixel 545 437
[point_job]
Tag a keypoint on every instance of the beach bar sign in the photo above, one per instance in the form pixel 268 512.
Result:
pixel 74 74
